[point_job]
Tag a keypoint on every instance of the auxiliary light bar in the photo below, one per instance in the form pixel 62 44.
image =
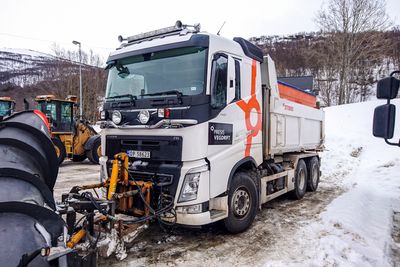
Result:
pixel 177 28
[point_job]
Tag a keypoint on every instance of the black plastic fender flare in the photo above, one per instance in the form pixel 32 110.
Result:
pixel 240 163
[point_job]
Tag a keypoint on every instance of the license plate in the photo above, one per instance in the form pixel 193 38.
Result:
pixel 138 154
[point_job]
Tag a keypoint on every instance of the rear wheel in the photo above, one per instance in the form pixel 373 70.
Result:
pixel 300 180
pixel 60 149
pixel 95 152
pixel 313 174
pixel 242 201
pixel 78 158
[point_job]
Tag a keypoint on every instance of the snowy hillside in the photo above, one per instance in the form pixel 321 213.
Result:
pixel 24 67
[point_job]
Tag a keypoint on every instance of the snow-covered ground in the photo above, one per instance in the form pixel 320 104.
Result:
pixel 347 222
pixel 356 228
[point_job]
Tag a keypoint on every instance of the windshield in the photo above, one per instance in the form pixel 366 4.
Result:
pixel 179 70
pixel 5 108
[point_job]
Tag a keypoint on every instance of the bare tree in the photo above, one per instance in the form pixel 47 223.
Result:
pixel 355 30
pixel 93 78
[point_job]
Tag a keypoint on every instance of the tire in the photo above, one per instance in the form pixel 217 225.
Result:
pixel 95 152
pixel 242 203
pixel 60 149
pixel 78 158
pixel 300 180
pixel 313 174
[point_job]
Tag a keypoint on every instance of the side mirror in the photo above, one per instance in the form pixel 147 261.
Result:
pixel 384 117
pixel 387 88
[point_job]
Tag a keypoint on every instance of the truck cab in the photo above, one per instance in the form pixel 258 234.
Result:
pixel 192 111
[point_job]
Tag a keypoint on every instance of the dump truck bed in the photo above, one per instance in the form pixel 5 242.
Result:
pixel 288 126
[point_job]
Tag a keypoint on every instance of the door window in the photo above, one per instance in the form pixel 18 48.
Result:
pixel 219 81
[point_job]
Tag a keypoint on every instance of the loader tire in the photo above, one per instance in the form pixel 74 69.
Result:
pixel 242 203
pixel 60 149
pixel 78 158
pixel 94 153
pixel 300 180
pixel 313 174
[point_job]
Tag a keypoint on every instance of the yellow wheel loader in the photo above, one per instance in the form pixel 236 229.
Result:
pixel 73 138
pixel 7 106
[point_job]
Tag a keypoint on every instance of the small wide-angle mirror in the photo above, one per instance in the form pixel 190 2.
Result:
pixel 384 117
pixel 387 88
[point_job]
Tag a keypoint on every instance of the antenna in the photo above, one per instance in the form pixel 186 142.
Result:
pixel 221 27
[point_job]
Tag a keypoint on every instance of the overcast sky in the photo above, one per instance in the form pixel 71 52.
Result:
pixel 96 24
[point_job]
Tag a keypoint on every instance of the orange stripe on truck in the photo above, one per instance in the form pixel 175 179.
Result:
pixel 251 105
pixel 296 95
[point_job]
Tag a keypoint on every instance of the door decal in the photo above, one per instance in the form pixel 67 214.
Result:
pixel 253 103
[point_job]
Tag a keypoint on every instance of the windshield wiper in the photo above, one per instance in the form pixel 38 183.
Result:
pixel 171 92
pixel 132 97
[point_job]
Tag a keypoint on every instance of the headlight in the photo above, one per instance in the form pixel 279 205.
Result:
pixel 190 187
pixel 116 117
pixel 103 115
pixel 144 116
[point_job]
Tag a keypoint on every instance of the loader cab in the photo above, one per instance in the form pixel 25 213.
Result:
pixel 7 106
pixel 59 112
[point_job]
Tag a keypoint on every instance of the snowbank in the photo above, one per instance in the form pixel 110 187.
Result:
pixel 355 229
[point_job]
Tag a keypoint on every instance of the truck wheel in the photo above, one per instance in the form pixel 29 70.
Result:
pixel 95 152
pixel 60 149
pixel 242 201
pixel 313 174
pixel 300 180
pixel 78 158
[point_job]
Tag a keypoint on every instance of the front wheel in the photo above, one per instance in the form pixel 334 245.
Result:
pixel 95 152
pixel 242 200
pixel 78 158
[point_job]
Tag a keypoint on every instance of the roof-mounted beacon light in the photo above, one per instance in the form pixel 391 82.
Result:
pixel 178 24
pixel 121 39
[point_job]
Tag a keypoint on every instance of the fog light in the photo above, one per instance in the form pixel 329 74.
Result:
pixel 116 117
pixel 144 116
pixel 192 209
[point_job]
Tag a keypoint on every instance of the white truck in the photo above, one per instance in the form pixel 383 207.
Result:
pixel 201 117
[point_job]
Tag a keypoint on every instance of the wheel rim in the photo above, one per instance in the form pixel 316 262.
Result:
pixel 315 175
pixel 58 152
pixel 302 179
pixel 240 202
pixel 98 151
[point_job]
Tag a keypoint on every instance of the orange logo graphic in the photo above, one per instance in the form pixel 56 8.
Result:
pixel 248 107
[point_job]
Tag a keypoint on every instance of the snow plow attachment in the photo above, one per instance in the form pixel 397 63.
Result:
pixel 40 232
pixel 33 233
